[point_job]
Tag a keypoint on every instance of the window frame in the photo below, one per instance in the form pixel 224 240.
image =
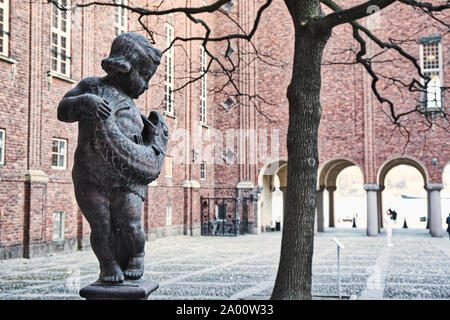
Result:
pixel 203 87
pixel 57 54
pixel 432 40
pixel 229 51
pixel 168 163
pixel 232 103
pixel 62 226
pixel 5 32
pixel 120 18
pixel 169 216
pixel 58 153
pixel 222 207
pixel 169 82
pixel 203 170
pixel 227 7
pixel 2 146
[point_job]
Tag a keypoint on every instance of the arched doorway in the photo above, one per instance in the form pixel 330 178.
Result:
pixel 433 211
pixel 404 191
pixel 327 181
pixel 273 180
pixel 350 199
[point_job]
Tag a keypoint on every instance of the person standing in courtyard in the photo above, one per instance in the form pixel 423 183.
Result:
pixel 388 223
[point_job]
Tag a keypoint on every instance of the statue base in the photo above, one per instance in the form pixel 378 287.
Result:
pixel 127 290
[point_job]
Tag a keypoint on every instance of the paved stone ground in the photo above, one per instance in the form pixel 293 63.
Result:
pixel 417 267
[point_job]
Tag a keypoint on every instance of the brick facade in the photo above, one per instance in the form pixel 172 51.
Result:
pixel 353 128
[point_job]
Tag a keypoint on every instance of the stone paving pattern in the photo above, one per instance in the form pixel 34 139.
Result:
pixel 244 267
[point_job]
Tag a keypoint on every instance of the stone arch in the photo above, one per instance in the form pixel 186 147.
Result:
pixel 327 177
pixel 266 178
pixel 271 168
pixel 404 160
pixel 434 215
pixel 328 172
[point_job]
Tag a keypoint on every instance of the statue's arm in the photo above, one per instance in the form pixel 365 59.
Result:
pixel 70 107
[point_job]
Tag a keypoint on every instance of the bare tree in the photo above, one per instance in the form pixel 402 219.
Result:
pixel 313 28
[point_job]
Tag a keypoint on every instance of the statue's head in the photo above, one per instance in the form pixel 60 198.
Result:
pixel 132 62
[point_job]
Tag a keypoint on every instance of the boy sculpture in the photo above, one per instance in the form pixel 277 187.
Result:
pixel 119 152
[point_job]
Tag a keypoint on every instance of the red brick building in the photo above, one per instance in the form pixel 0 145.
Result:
pixel 220 146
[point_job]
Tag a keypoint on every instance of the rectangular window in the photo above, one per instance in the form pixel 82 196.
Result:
pixel 169 81
pixel 2 146
pixel 168 167
pixel 4 27
pixel 229 52
pixel 59 153
pixel 203 85
pixel 168 216
pixel 229 103
pixel 203 170
pixel 431 64
pixel 228 6
pixel 58 225
pixel 60 39
pixel 121 17
pixel 221 210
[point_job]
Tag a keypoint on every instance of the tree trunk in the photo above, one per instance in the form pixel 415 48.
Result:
pixel 294 272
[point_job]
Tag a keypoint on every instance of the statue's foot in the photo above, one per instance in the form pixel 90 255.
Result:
pixel 135 268
pixel 111 274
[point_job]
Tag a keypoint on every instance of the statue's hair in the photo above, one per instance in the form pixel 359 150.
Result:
pixel 128 49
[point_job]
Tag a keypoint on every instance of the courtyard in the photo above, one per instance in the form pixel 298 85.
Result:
pixel 244 267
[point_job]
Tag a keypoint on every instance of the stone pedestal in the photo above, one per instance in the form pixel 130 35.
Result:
pixel 128 290
pixel 434 208
pixel 372 209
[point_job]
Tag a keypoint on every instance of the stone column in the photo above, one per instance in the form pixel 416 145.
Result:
pixel 191 226
pixel 37 240
pixel 319 209
pixel 248 223
pixel 372 209
pixel 257 194
pixel 428 209
pixel 380 207
pixel 434 200
pixel 331 191
pixel 284 190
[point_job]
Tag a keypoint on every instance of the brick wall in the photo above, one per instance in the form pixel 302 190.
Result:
pixel 353 126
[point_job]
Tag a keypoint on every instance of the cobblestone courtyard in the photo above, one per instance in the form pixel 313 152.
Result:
pixel 417 267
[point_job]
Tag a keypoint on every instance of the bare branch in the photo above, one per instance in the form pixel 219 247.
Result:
pixel 414 85
pixel 146 12
pixel 426 5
